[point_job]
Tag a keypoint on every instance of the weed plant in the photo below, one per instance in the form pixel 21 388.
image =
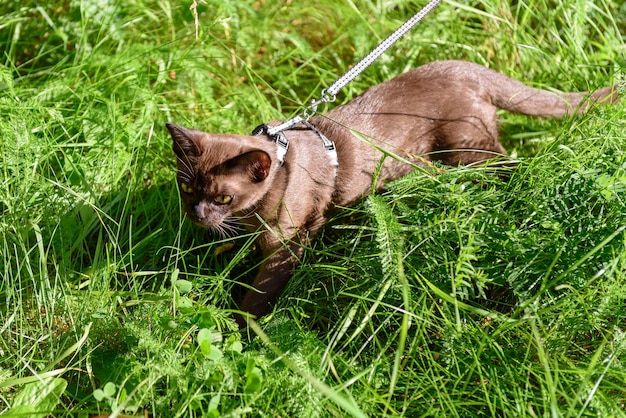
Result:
pixel 452 293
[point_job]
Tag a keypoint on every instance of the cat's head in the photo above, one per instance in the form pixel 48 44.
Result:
pixel 220 177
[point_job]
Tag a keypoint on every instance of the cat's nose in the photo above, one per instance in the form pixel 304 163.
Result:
pixel 201 210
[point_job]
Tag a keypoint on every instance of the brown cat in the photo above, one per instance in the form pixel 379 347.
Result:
pixel 442 111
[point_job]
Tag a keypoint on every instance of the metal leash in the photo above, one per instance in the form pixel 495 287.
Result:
pixel 330 94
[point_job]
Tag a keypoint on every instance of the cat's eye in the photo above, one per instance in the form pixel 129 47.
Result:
pixel 223 199
pixel 186 188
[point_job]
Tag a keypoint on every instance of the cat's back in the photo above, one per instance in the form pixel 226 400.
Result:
pixel 446 69
pixel 431 84
pixel 438 80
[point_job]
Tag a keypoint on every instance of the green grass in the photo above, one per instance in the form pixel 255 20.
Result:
pixel 449 294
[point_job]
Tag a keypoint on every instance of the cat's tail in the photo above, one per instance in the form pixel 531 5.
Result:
pixel 516 97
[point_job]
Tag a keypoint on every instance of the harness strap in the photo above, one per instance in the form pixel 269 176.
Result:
pixel 328 144
pixel 282 143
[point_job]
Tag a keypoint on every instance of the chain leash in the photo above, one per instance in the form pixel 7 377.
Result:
pixel 329 94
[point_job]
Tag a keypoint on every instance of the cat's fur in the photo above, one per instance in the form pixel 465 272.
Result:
pixel 442 111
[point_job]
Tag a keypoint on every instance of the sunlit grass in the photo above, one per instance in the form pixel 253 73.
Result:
pixel 452 293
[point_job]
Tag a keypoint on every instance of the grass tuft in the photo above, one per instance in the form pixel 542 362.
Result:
pixel 452 293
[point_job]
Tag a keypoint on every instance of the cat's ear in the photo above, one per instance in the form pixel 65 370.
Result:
pixel 184 142
pixel 255 163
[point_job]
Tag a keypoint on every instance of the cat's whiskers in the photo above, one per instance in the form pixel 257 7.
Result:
pixel 187 173
pixel 229 227
pixel 185 177
pixel 243 216
pixel 249 212
pixel 243 225
pixel 246 214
